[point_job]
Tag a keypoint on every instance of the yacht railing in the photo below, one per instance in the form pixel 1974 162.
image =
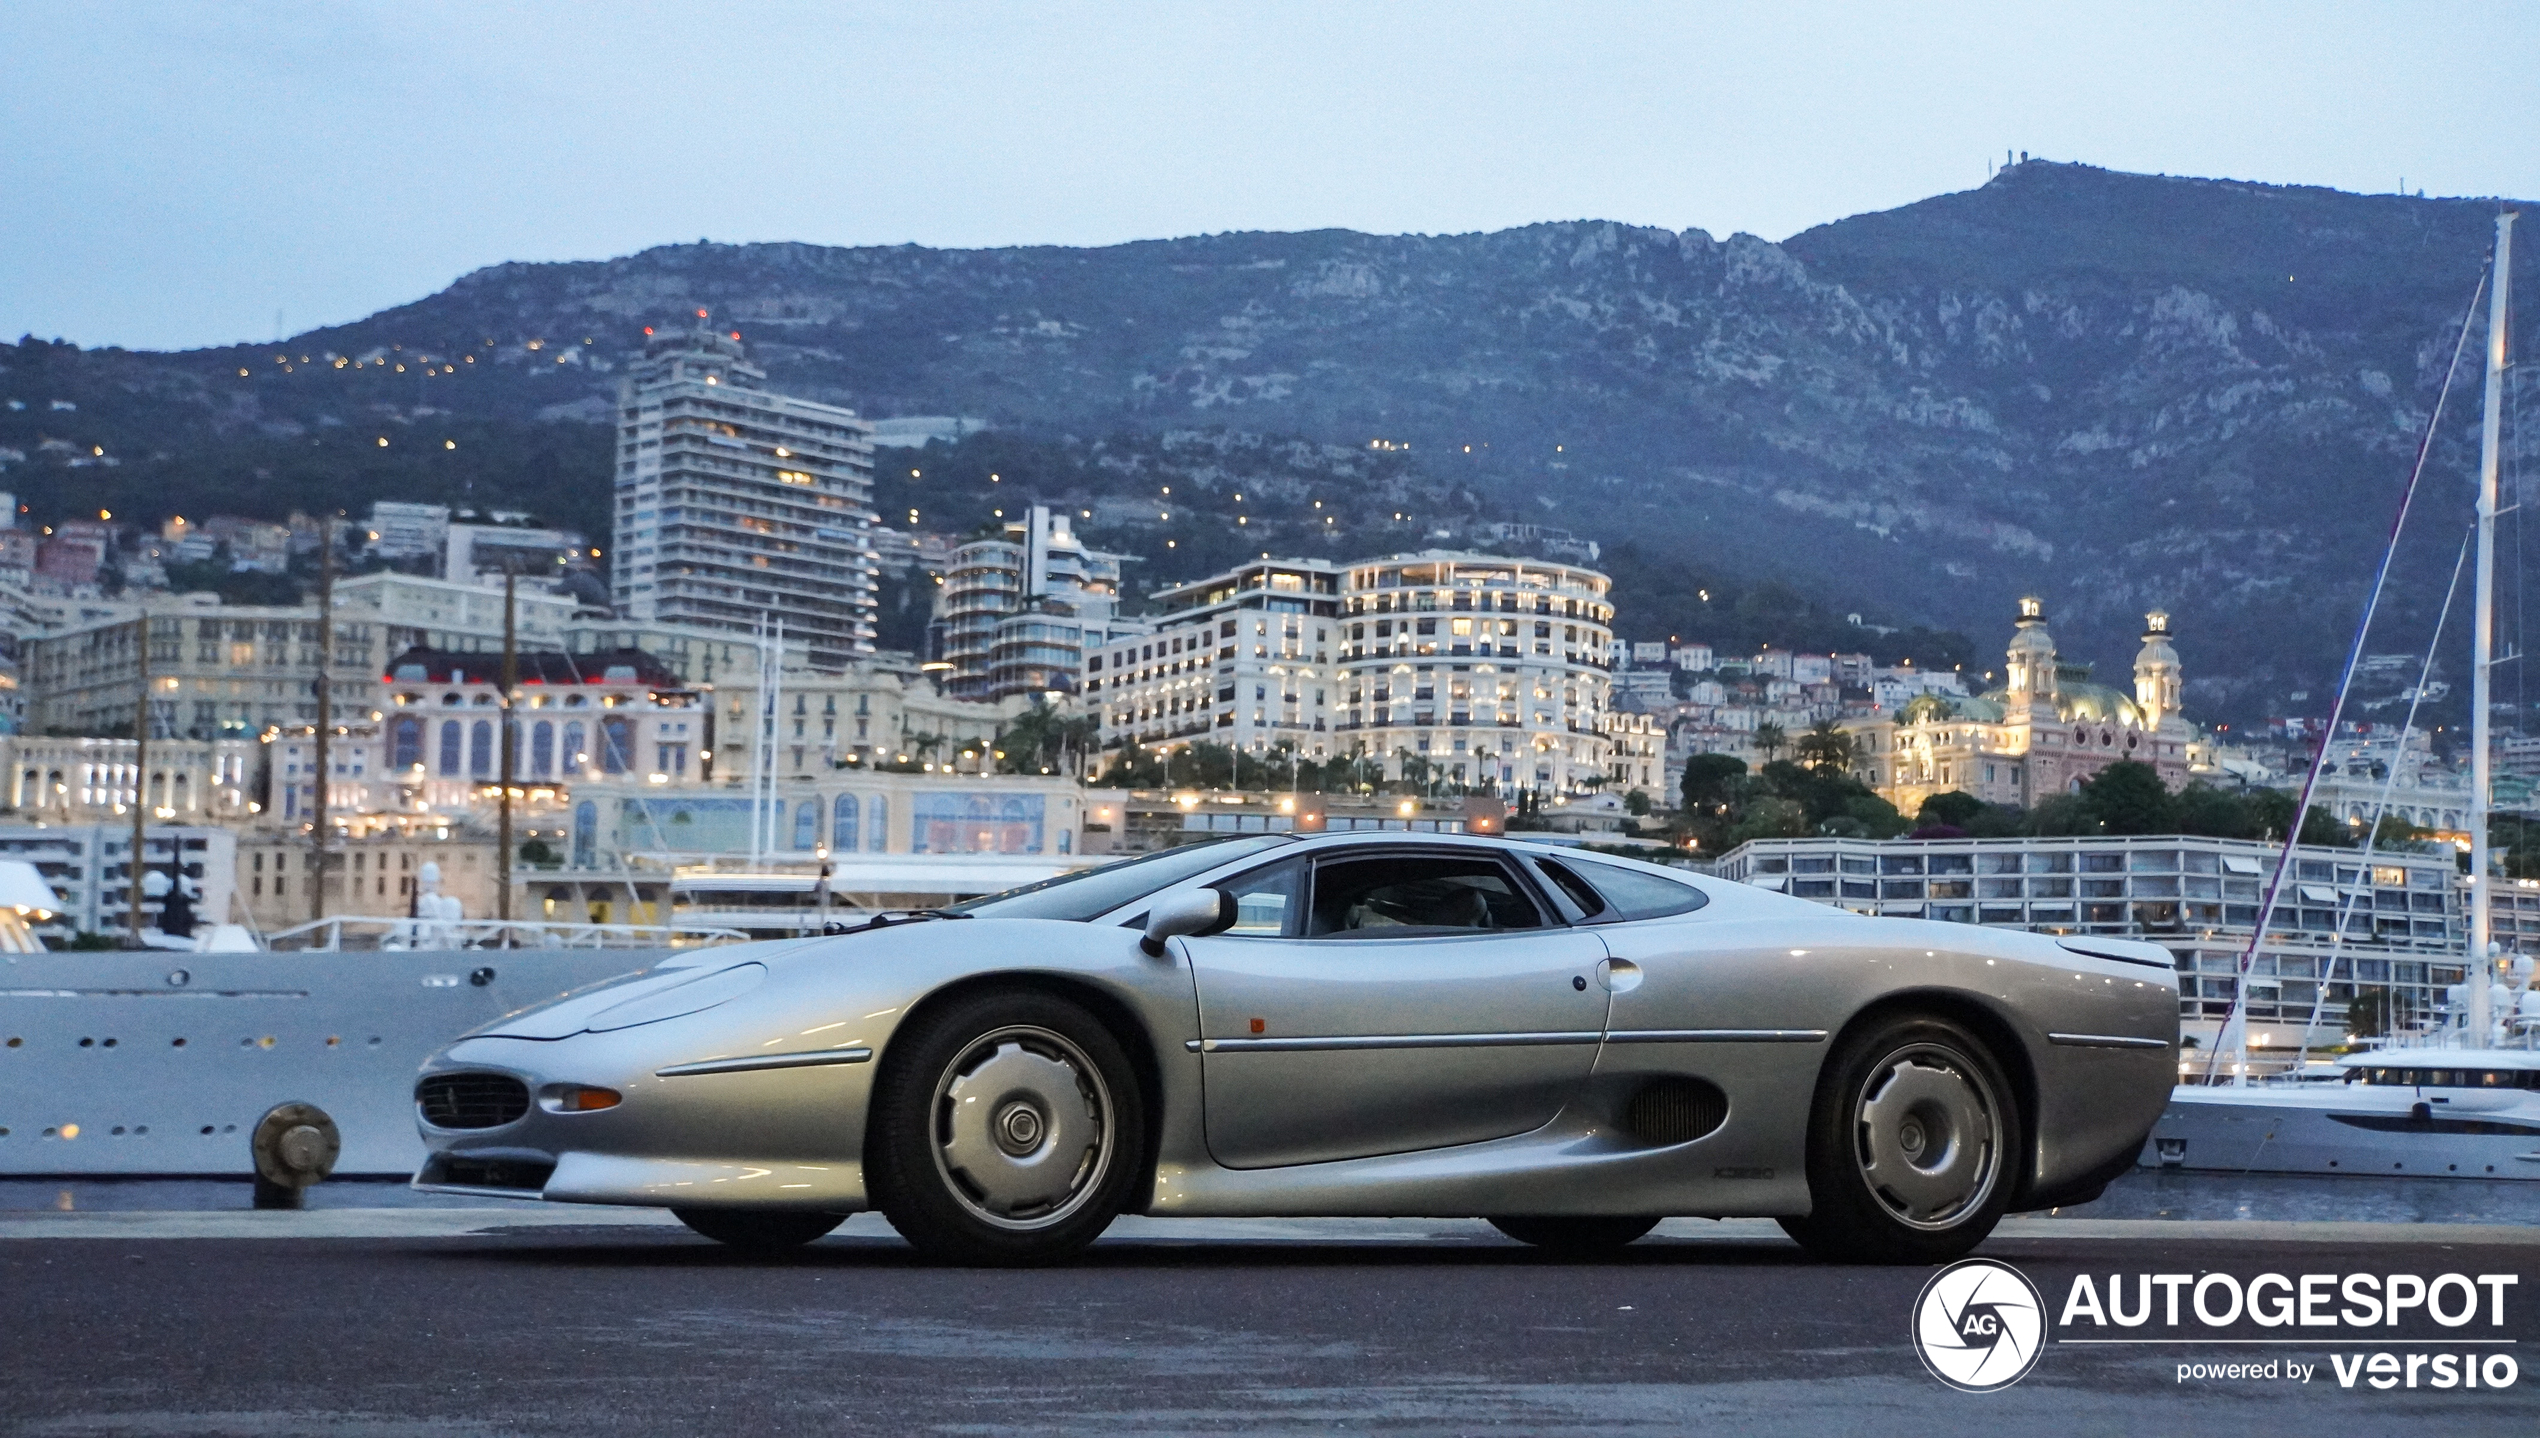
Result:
pixel 344 932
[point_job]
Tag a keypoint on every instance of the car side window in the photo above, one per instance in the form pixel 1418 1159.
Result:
pixel 1403 896
pixel 1635 895
pixel 1269 901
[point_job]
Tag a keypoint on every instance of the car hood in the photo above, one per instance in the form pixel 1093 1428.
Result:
pixel 701 978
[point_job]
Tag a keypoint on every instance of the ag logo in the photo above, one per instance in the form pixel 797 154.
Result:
pixel 1979 1325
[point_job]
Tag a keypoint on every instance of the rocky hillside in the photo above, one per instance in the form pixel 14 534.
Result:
pixel 2116 390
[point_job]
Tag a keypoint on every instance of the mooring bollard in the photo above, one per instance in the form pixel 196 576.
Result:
pixel 295 1146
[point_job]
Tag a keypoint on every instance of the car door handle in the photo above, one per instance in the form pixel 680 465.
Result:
pixel 1619 976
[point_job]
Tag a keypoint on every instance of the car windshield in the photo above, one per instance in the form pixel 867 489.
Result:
pixel 1091 893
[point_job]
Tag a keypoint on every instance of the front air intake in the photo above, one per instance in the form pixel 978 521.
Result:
pixel 1675 1110
pixel 516 1175
pixel 471 1100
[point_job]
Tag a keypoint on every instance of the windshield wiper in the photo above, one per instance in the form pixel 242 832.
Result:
pixel 890 919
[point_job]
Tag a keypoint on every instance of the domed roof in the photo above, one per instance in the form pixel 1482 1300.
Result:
pixel 1984 709
pixel 2098 704
pixel 2076 700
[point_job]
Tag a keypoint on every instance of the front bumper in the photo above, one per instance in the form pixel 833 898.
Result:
pixel 773 1138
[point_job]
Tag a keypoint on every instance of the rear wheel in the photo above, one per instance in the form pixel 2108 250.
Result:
pixel 758 1230
pixel 1006 1129
pixel 1575 1237
pixel 1910 1145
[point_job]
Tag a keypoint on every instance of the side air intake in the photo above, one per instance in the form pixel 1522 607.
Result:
pixel 1675 1110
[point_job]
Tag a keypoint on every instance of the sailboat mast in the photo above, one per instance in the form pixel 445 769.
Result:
pixel 2490 431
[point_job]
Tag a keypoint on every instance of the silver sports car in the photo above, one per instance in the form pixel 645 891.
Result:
pixel 1569 1045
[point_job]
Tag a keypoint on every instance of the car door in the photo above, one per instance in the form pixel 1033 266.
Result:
pixel 1381 1002
pixel 1720 1003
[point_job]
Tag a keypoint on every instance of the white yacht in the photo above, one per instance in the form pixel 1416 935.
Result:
pixel 2435 1110
pixel 763 905
pixel 2462 1101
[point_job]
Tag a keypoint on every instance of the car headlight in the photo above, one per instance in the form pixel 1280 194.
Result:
pixel 679 1000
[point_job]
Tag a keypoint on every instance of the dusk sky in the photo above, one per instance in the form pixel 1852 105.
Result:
pixel 177 175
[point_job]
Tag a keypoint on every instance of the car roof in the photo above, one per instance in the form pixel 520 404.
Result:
pixel 1739 897
pixel 1369 838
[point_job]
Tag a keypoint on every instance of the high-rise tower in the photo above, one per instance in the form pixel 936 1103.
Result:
pixel 734 502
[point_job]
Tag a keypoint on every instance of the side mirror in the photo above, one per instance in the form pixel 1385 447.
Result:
pixel 1200 911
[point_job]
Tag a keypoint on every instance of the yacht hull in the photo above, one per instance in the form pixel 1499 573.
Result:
pixel 161 1063
pixel 2387 1131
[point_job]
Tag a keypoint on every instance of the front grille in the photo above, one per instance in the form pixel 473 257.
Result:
pixel 1675 1110
pixel 491 1173
pixel 471 1100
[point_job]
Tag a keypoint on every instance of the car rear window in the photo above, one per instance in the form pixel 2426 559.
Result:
pixel 1632 893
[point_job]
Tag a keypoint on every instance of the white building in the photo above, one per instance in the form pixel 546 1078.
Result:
pixel 475 551
pixel 2385 772
pixel 233 670
pixel 1243 658
pixel 1894 688
pixel 76 781
pixel 735 503
pixel 877 712
pixel 1020 613
pixel 1479 670
pixel 1644 686
pixel 2392 924
pixel 89 869
pixel 408 531
pixel 846 812
pixel 1693 658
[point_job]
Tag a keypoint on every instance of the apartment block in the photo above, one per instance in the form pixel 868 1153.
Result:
pixel 1478 670
pixel 1242 658
pixel 2344 921
pixel 735 503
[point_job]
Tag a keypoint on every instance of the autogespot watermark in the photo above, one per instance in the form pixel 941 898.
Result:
pixel 1980 1326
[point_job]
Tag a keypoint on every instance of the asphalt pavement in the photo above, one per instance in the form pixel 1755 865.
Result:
pixel 390 1323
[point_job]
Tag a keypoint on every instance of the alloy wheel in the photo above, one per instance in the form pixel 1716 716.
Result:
pixel 1929 1135
pixel 1024 1129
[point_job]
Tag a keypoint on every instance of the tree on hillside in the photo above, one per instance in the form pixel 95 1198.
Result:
pixel 2271 812
pixel 1956 808
pixel 2217 813
pixel 1770 740
pixel 1041 739
pixel 2062 816
pixel 1824 747
pixel 2129 798
pixel 1709 782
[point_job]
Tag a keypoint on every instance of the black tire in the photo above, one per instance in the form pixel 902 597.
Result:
pixel 758 1230
pixel 1914 1144
pixel 1575 1237
pixel 1007 1128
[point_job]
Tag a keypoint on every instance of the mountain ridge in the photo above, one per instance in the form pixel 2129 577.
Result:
pixel 2121 391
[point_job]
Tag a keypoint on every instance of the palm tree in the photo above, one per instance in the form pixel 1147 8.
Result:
pixel 1771 739
pixel 1824 747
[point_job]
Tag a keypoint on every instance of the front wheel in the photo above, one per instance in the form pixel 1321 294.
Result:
pixel 1910 1146
pixel 758 1230
pixel 1006 1128
pixel 1575 1237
